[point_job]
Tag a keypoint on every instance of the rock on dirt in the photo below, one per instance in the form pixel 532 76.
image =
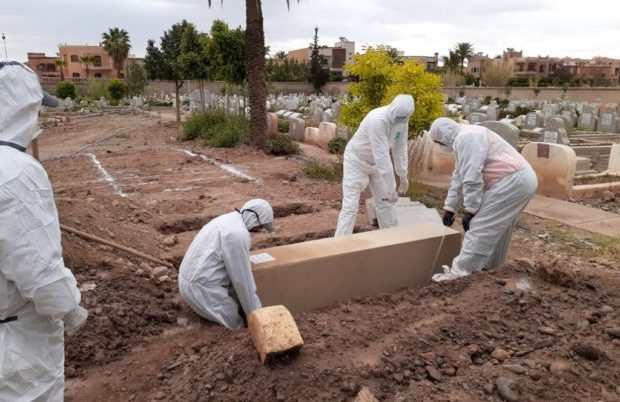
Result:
pixel 365 395
pixel 171 240
pixel 433 373
pixel 500 354
pixel 587 351
pixel 613 332
pixel 505 387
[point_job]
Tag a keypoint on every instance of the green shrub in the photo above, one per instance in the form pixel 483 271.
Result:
pixel 216 128
pixel 336 145
pixel 320 171
pixel 159 103
pixel 282 144
pixel 487 100
pixel 117 89
pixel 283 125
pixel 233 132
pixel 199 124
pixel 65 89
pixel 94 90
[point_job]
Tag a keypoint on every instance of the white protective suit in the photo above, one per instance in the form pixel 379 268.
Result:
pixel 367 161
pixel 493 182
pixel 37 292
pixel 216 268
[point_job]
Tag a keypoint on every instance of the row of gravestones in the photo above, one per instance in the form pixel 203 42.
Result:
pixel 297 130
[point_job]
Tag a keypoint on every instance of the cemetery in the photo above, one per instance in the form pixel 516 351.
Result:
pixel 120 173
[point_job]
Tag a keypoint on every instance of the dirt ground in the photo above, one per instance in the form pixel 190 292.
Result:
pixel 543 328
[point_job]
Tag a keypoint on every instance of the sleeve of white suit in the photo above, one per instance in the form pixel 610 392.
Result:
pixel 30 249
pixel 378 132
pixel 236 254
pixel 400 151
pixel 455 193
pixel 471 151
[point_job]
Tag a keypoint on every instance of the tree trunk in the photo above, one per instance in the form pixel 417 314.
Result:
pixel 177 87
pixel 255 70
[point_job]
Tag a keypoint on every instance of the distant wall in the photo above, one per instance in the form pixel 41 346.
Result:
pixel 606 95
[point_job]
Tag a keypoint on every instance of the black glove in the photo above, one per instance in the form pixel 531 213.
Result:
pixel 448 218
pixel 466 219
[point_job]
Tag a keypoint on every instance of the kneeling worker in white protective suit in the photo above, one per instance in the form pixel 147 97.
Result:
pixel 216 268
pixel 367 161
pixel 39 298
pixel 493 182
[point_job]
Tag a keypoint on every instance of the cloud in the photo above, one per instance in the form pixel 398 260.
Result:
pixel 556 28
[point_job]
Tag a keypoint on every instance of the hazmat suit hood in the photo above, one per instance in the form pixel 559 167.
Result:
pixel 444 130
pixel 401 108
pixel 19 104
pixel 257 212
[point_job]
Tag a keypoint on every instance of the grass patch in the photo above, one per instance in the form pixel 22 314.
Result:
pixel 283 125
pixel 123 136
pixel 427 195
pixel 336 145
pixel 590 246
pixel 320 171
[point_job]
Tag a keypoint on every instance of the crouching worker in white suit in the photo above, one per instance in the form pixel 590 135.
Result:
pixel 493 182
pixel 39 298
pixel 216 269
pixel 367 161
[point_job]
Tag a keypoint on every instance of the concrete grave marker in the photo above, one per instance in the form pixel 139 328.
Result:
pixel 476 117
pixel 614 159
pixel 311 135
pixel 296 127
pixel 327 132
pixel 533 120
pixel 554 165
pixel 507 131
pixel 556 124
pixel 589 118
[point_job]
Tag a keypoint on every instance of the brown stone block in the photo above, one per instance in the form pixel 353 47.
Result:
pixel 274 332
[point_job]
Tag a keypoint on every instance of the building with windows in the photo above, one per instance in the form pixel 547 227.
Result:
pixel 430 63
pixel 334 57
pixel 74 69
pixel 44 66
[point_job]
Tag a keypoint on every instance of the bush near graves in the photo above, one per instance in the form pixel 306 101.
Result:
pixel 117 89
pixel 518 82
pixel 283 125
pixel 216 128
pixel 380 79
pixel 282 144
pixel 518 112
pixel 336 145
pixel 65 89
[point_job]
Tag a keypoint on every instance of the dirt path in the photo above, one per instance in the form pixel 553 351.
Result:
pixel 436 343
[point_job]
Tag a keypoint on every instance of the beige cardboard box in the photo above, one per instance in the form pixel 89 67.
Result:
pixel 308 275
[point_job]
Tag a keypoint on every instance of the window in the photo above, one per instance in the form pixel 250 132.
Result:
pixel 74 58
pixel 76 75
pixel 50 67
pixel 541 69
pixel 41 67
pixel 531 66
pixel 97 62
pixel 97 75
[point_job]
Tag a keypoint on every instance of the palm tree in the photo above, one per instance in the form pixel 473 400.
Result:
pixel 464 51
pixel 281 55
pixel 255 53
pixel 61 63
pixel 450 62
pixel 116 44
pixel 87 61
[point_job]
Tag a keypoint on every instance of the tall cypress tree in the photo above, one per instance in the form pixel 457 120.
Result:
pixel 318 74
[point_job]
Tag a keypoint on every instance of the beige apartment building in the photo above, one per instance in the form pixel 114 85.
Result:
pixel 74 69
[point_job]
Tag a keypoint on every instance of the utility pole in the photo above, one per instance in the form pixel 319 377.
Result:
pixel 6 55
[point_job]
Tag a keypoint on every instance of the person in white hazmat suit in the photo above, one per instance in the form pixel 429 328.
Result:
pixel 493 182
pixel 216 270
pixel 39 298
pixel 367 161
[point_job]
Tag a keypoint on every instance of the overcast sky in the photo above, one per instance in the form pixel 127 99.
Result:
pixel 419 27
